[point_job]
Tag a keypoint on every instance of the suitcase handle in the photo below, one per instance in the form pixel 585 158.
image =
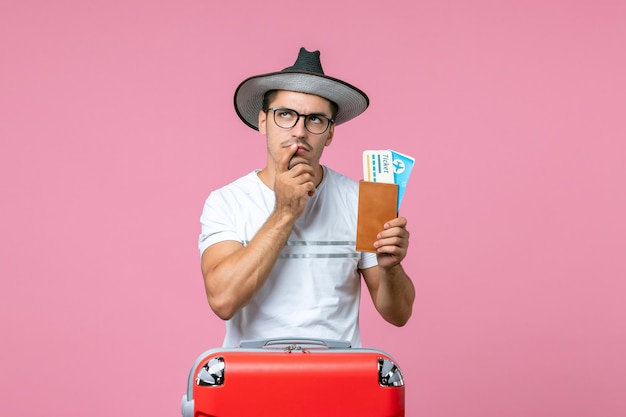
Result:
pixel 297 341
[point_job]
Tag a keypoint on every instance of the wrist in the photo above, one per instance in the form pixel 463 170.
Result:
pixel 282 218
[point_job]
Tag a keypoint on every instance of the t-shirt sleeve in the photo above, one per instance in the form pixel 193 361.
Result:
pixel 367 260
pixel 217 222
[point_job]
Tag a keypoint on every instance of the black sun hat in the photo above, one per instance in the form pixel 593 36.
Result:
pixel 305 76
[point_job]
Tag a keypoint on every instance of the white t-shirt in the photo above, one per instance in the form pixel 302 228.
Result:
pixel 314 288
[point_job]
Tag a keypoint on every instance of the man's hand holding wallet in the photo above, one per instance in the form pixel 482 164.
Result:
pixel 385 175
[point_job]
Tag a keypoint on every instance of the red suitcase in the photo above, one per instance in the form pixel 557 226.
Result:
pixel 287 377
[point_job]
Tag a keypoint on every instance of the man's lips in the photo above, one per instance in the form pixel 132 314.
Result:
pixel 299 157
pixel 302 147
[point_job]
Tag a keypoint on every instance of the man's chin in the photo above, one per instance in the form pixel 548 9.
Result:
pixel 297 160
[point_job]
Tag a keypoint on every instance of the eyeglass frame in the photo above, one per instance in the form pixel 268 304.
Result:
pixel 330 120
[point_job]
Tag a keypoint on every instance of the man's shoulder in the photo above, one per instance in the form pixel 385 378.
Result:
pixel 338 179
pixel 246 182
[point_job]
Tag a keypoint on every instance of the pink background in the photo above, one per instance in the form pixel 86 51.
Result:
pixel 116 121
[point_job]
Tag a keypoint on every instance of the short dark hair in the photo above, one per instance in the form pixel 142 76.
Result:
pixel 270 95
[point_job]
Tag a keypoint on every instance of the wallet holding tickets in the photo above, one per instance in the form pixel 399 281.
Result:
pixel 385 174
pixel 377 205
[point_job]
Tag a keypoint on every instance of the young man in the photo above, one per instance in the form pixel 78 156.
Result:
pixel 278 245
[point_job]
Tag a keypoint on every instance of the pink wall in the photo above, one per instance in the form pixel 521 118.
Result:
pixel 116 120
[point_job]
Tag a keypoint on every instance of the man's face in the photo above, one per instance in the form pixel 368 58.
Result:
pixel 310 146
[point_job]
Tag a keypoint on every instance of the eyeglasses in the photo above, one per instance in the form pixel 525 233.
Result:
pixel 287 118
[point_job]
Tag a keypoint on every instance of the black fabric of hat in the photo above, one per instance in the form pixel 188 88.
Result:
pixel 305 76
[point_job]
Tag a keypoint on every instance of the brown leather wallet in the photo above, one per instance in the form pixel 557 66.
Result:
pixel 378 203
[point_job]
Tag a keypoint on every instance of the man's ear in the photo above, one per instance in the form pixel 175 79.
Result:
pixel 262 122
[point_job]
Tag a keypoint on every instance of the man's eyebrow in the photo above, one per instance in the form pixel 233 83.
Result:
pixel 315 113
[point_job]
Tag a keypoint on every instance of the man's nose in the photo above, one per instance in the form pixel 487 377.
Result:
pixel 299 129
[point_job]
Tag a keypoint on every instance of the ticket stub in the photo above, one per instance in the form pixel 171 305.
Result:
pixel 378 166
pixel 402 167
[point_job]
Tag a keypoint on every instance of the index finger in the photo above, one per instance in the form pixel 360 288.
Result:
pixel 397 222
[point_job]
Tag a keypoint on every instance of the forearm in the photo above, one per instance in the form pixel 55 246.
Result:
pixel 233 281
pixel 395 295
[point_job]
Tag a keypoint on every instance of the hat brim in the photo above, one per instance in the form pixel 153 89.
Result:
pixel 249 95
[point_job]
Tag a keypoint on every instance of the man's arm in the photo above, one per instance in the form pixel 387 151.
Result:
pixel 232 273
pixel 391 289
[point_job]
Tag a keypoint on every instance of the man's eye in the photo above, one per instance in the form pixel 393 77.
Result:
pixel 315 119
pixel 285 114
